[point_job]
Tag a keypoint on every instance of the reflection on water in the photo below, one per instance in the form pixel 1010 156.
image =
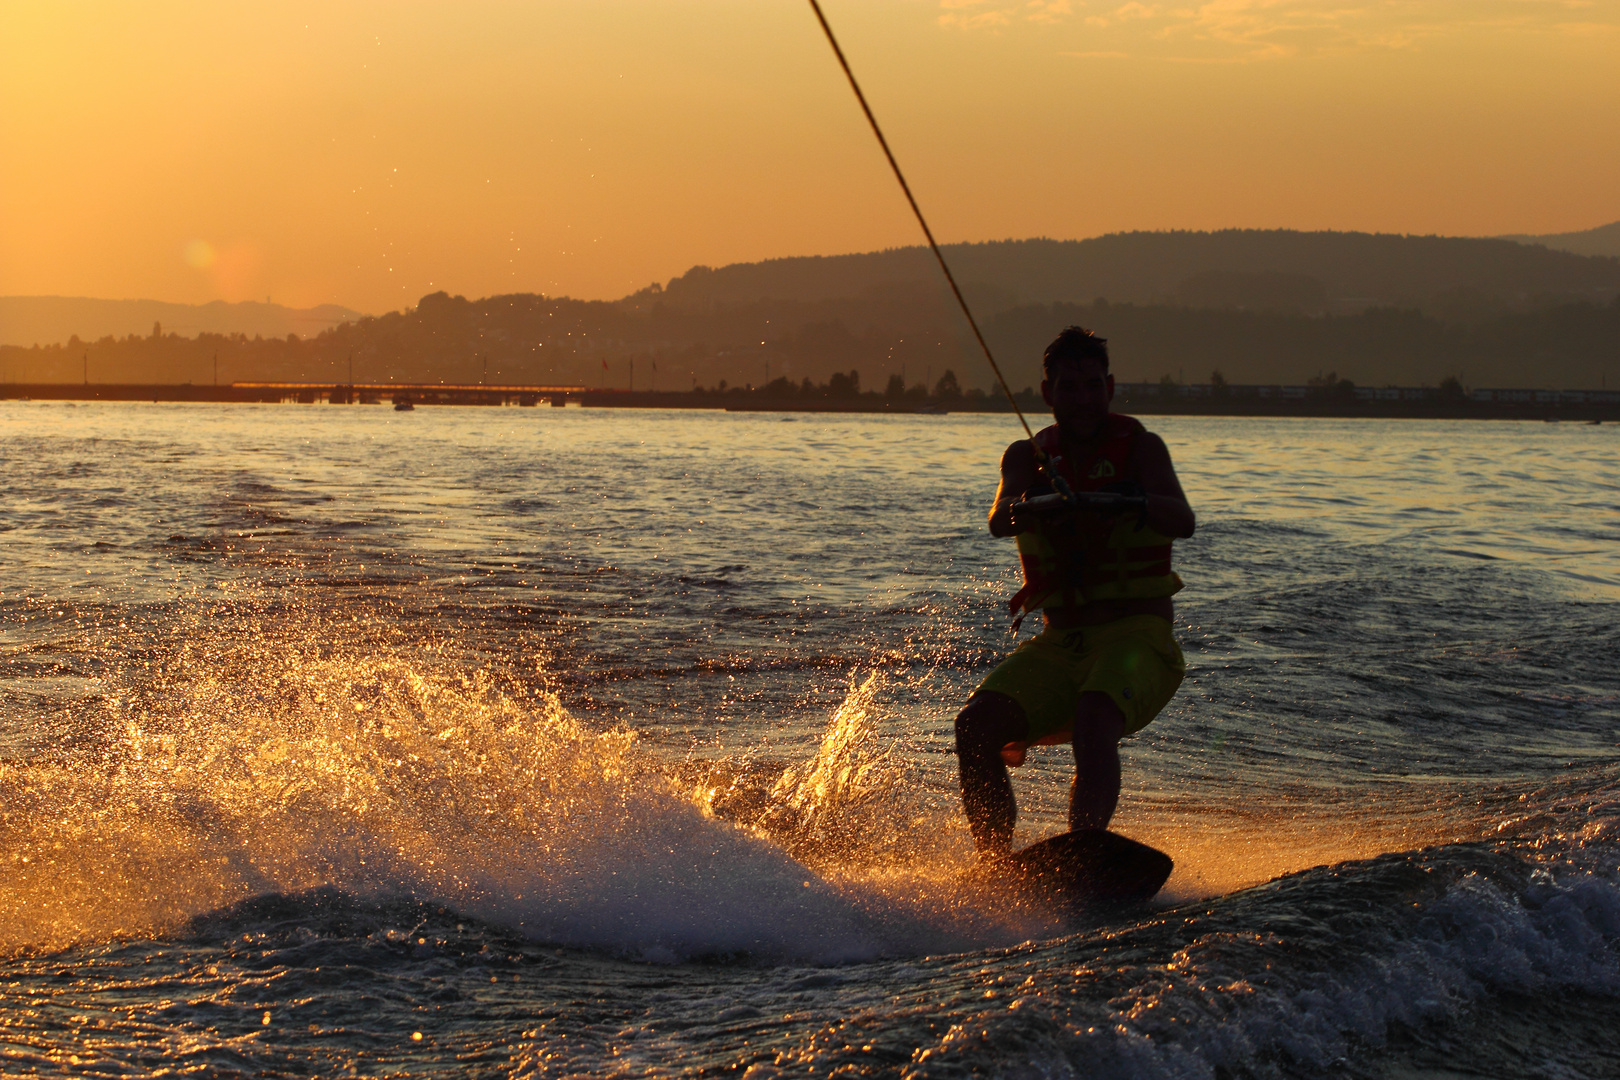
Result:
pixel 1542 494
pixel 421 698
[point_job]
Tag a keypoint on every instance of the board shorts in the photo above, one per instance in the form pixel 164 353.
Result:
pixel 1134 660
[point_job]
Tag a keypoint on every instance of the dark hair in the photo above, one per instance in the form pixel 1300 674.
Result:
pixel 1075 344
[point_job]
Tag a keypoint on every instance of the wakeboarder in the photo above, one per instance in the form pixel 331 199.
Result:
pixel 1098 570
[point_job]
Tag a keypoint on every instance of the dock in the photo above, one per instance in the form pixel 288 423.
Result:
pixel 308 393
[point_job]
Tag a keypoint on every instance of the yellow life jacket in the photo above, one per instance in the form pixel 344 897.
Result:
pixel 1087 557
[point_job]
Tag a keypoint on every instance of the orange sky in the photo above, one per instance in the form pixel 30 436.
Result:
pixel 368 153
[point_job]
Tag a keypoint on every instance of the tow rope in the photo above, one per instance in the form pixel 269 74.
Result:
pixel 1059 485
pixel 1063 497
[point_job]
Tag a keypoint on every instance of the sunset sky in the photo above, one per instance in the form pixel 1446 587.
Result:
pixel 368 153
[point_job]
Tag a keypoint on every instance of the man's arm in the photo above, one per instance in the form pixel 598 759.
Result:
pixel 1018 475
pixel 1168 511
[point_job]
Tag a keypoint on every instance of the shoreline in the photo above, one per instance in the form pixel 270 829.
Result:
pixel 752 401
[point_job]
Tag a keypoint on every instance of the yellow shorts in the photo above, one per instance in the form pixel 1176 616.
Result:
pixel 1134 660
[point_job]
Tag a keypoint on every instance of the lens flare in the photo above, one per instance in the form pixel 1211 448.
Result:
pixel 199 254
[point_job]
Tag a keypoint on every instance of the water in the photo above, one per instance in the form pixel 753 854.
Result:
pixel 550 742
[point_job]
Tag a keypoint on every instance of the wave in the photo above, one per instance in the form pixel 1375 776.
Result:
pixel 228 767
pixel 1333 971
pixel 220 780
pixel 237 785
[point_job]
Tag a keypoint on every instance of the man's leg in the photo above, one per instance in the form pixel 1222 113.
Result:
pixel 1098 727
pixel 988 722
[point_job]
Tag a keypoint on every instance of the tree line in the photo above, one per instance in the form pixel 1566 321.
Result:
pixel 910 338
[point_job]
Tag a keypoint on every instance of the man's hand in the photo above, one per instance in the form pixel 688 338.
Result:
pixel 1165 510
pixel 1018 475
pixel 1105 503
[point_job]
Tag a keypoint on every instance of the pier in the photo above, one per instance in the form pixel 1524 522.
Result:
pixel 416 393
pixel 1157 399
pixel 308 393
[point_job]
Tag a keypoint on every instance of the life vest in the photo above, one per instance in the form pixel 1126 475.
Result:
pixel 1088 557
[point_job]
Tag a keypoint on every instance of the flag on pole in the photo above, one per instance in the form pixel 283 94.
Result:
pixel 604 365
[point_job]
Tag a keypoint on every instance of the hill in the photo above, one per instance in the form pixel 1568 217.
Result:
pixel 535 339
pixel 1263 307
pixel 49 320
pixel 1603 240
pixel 1308 272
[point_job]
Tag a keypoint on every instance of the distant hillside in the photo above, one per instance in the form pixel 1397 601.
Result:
pixel 1262 270
pixel 1603 240
pixel 536 339
pixel 50 320
pixel 1264 307
pixel 1573 346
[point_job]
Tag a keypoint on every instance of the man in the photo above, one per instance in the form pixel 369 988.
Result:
pixel 1106 662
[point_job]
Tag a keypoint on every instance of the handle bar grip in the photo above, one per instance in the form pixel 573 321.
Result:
pixel 1087 500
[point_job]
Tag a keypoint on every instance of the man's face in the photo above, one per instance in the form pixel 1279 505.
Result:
pixel 1079 392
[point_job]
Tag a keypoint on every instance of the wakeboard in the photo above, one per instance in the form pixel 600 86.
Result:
pixel 1087 868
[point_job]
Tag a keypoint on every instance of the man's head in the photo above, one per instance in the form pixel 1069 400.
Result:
pixel 1077 384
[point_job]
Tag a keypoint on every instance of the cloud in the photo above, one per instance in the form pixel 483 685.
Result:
pixel 1130 12
pixel 1290 27
pixel 1271 29
pixel 1047 10
pixel 976 14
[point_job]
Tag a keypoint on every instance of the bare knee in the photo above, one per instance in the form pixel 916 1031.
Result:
pixel 991 720
pixel 1099 722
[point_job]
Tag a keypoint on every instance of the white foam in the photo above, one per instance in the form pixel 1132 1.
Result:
pixel 1228 1001
pixel 378 778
